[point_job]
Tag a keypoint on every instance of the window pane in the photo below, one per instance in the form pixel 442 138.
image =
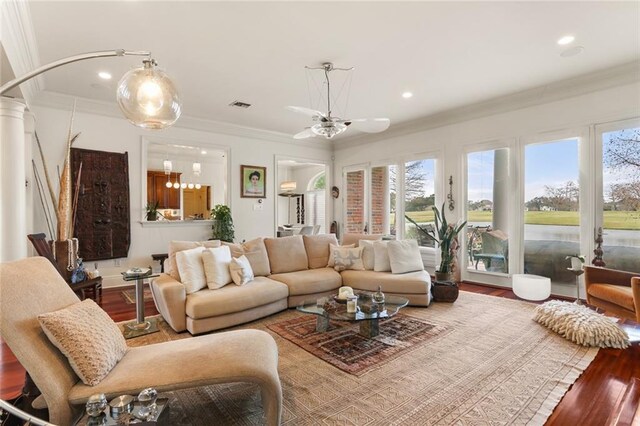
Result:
pixel 419 197
pixel 383 200
pixel 355 222
pixel 487 210
pixel 552 219
pixel 621 187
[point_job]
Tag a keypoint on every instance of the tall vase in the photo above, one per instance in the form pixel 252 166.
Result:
pixel 66 256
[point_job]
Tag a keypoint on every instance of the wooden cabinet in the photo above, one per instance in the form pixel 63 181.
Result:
pixel 167 198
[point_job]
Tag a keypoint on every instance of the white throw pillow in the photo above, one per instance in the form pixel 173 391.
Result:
pixel 191 269
pixel 368 255
pixel 216 266
pixel 332 256
pixel 241 271
pixel 348 258
pixel 381 257
pixel 404 256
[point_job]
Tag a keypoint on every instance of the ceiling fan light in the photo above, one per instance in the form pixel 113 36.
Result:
pixel 328 129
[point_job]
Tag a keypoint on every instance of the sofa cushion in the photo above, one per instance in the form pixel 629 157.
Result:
pixel 617 294
pixel 88 337
pixel 404 256
pixel 176 246
pixel 381 261
pixel 355 238
pixel 232 298
pixel 256 253
pixel 317 247
pixel 191 269
pixel 286 254
pixel 368 255
pixel 410 283
pixel 216 266
pixel 240 270
pixel 310 281
pixel 348 258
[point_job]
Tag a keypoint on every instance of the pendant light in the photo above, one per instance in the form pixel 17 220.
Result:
pixel 168 184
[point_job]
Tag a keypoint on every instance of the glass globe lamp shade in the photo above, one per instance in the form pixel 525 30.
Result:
pixel 198 186
pixel 176 185
pixel 168 184
pixel 191 185
pixel 328 129
pixel 183 185
pixel 148 98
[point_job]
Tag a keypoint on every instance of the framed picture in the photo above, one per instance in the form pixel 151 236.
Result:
pixel 254 180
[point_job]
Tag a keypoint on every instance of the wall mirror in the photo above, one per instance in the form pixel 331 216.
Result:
pixel 184 181
pixel 303 201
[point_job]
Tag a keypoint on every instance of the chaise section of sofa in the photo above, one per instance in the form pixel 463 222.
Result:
pixel 413 286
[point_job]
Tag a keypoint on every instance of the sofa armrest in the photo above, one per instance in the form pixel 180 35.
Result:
pixel 594 274
pixel 170 298
pixel 635 288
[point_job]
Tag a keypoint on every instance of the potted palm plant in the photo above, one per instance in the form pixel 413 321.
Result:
pixel 446 235
pixel 222 228
pixel 152 211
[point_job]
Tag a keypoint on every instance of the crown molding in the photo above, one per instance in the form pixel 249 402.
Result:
pixel 110 109
pixel 587 83
pixel 19 42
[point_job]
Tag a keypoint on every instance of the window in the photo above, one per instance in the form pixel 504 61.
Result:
pixel 487 234
pixel 419 198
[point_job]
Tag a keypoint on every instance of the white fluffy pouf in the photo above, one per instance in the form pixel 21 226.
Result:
pixel 581 325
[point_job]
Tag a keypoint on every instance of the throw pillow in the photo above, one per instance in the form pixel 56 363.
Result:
pixel 348 258
pixel 216 266
pixel 404 256
pixel 171 265
pixel 286 254
pixel 348 239
pixel 256 253
pixel 317 247
pixel 191 269
pixel 241 272
pixel 368 255
pixel 89 339
pixel 381 257
pixel 332 253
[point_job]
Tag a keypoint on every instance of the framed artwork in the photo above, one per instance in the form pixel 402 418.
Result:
pixel 253 181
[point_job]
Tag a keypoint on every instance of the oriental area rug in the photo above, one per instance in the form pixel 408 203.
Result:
pixel 483 361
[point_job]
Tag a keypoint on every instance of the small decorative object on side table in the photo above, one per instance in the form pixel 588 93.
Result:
pixel 140 326
pixel 445 291
pixel 125 410
pixel 378 296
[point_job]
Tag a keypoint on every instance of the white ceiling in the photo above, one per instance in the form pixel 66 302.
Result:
pixel 449 54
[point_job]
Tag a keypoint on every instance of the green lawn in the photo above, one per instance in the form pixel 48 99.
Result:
pixel 612 220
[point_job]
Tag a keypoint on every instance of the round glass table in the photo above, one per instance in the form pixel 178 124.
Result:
pixel 368 313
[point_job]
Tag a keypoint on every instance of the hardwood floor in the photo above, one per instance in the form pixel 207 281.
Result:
pixel 609 385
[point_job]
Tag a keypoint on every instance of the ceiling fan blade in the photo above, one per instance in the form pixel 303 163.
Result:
pixel 306 133
pixel 369 125
pixel 306 111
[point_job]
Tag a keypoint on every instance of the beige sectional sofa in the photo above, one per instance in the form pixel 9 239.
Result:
pixel 288 271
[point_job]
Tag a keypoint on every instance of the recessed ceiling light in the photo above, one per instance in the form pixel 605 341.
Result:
pixel 407 95
pixel 566 40
pixel 203 152
pixel 104 75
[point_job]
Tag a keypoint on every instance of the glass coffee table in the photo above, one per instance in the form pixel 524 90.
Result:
pixel 368 313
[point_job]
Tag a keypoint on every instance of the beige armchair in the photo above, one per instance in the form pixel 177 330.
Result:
pixel 32 286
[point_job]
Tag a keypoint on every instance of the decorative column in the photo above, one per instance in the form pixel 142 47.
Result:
pixel 501 190
pixel 13 214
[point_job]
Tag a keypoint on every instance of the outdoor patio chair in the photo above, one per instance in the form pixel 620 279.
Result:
pixel 32 286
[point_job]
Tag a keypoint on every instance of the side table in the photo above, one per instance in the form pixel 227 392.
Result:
pixel 140 326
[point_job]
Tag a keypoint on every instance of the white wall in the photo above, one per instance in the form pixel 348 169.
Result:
pixel 106 133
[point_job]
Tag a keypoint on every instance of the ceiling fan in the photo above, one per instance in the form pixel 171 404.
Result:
pixel 328 125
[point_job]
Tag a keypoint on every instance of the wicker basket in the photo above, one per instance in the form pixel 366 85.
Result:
pixel 445 291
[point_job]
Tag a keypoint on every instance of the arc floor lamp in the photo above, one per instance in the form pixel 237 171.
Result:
pixel 146 95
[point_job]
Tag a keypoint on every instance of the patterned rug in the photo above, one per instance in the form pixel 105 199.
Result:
pixel 343 347
pixel 491 365
pixel 130 296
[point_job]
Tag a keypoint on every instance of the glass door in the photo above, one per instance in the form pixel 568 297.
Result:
pixel 618 194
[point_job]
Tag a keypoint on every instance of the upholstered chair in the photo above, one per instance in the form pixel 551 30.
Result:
pixel 32 286
pixel 615 291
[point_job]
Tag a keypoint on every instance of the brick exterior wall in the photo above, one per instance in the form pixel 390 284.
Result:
pixel 354 222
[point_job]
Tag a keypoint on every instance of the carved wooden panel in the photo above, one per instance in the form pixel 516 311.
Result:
pixel 102 222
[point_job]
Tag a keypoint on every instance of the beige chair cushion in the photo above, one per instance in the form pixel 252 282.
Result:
pixel 368 254
pixel 191 269
pixel 216 266
pixel 310 281
pixel 381 254
pixel 88 337
pixel 286 254
pixel 317 247
pixel 348 258
pixel 171 266
pixel 232 298
pixel 410 283
pixel 404 256
pixel 616 294
pixel 256 253
pixel 332 253
pixel 355 238
pixel 240 269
